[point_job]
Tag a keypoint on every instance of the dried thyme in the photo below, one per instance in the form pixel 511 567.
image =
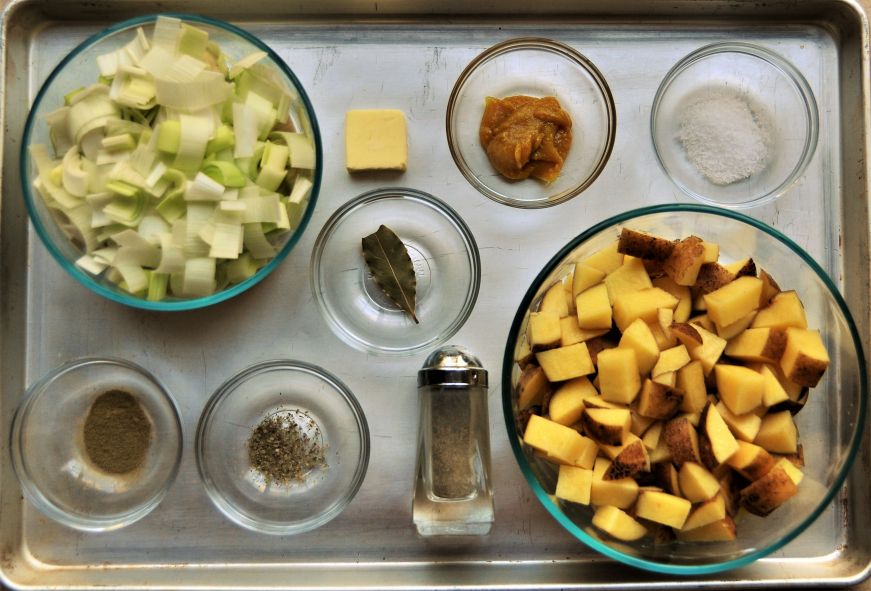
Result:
pixel 117 433
pixel 285 446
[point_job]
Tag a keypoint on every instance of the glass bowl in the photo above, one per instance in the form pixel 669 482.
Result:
pixel 51 460
pixel 79 68
pixel 535 67
pixel 323 408
pixel 442 250
pixel 830 426
pixel 742 83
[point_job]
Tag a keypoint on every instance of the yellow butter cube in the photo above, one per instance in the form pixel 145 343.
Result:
pixel 375 139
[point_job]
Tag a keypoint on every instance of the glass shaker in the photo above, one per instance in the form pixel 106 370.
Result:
pixel 452 489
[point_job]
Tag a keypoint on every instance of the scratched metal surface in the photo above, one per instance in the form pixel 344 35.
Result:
pixel 410 64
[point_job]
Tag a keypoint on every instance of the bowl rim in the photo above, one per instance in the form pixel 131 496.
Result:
pixel 37 498
pixel 90 281
pixel 546 500
pixel 226 389
pixel 404 193
pixel 790 72
pixel 562 50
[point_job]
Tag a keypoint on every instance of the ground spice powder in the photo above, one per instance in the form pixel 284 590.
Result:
pixel 117 433
pixel 284 447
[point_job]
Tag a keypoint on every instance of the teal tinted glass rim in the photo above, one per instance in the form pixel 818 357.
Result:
pixel 90 281
pixel 801 86
pixel 542 495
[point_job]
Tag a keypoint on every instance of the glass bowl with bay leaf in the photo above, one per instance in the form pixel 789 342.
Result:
pixel 395 271
pixel 282 447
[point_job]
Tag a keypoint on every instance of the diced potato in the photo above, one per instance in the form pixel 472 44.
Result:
pixel 769 492
pixel 574 484
pixel 533 386
pixel 709 511
pixel 612 451
pixel 663 340
pixel 765 345
pixel 686 333
pixel 640 424
pixel 777 433
pixel 734 300
pixel 664 508
pixel 681 292
pixel 731 330
pixel 784 311
pixel 560 443
pixel 742 267
pixel 712 276
pixel 599 402
pixel 629 462
pixel 554 301
pixel 682 440
pixel 641 304
pixel 593 308
pixel 543 330
pixel 685 260
pixel 751 461
pixel 609 426
pixel 657 401
pixel 605 260
pixel 644 245
pixel 618 524
pixel 584 278
pixel 740 388
pixel 667 476
pixel 696 483
pixel 620 493
pixel 709 351
pixel 524 353
pixel 630 276
pixel 805 358
pixel 638 337
pixel 567 403
pixel 671 360
pixel 691 382
pixel 565 363
pixel 743 427
pixel 723 530
pixel 652 435
pixel 769 288
pixel 773 392
pixel 794 472
pixel 702 321
pixel 662 453
pixel 667 379
pixel 716 435
pixel 619 378
pixel 571 333
pixel 712 251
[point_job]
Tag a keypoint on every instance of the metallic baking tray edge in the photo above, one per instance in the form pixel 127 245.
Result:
pixel 849 564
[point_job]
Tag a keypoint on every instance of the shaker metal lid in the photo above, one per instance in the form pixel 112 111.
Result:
pixel 452 365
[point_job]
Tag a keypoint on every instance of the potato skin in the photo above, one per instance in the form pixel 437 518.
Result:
pixel 768 493
pixel 643 245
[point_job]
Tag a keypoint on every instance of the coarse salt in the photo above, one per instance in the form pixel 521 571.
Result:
pixel 724 138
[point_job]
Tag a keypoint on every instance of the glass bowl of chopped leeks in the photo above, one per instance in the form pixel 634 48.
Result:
pixel 96 443
pixel 627 421
pixel 734 125
pixel 282 447
pixel 171 162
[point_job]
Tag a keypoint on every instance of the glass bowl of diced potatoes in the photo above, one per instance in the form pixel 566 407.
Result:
pixel 684 389
pixel 170 162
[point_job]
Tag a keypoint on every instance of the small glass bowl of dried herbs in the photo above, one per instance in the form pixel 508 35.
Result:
pixel 96 443
pixel 282 447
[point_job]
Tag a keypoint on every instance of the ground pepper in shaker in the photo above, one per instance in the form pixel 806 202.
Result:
pixel 452 490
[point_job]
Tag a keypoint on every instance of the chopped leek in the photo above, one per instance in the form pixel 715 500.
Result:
pixel 176 173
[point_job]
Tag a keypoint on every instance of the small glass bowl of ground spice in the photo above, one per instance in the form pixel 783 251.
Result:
pixel 734 125
pixel 539 97
pixel 96 443
pixel 282 447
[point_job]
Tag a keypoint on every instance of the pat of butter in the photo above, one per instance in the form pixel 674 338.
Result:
pixel 375 139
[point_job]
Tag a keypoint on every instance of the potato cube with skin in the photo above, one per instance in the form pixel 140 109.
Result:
pixel 644 245
pixel 617 524
pixel 574 484
pixel 709 511
pixel 784 311
pixel 734 300
pixel 632 460
pixel 630 276
pixel 769 492
pixel 663 508
pixel 565 363
pixel 691 382
pixel 567 403
pixel 671 360
pixel 652 435
pixel 723 530
pixel 640 424
pixel 712 251
pixel 742 267
pixel 620 493
pixel 584 278
pixel 751 461
pixel 681 292
pixel 639 338
pixel 685 260
pixel 778 433
pixel 770 288
pixel 764 345
pixel 730 331
pixel 663 340
pixel 667 476
pixel 662 453
pixel 619 378
pixel 740 388
pixel 696 483
pixel 543 330
pixel 532 386
pixel 682 440
pixel 593 308
pixel 716 435
pixel 554 301
pixel 773 392
pixel 560 443
pixel 794 472
pixel 658 401
pixel 608 426
pixel 743 427
pixel 709 351
pixel 606 259
pixel 612 451
pixel 641 304
pixel 804 359
pixel 571 333
pixel 712 276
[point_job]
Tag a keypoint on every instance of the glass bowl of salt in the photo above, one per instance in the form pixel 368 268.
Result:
pixel 734 125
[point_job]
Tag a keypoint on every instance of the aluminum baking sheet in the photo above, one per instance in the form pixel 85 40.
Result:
pixel 406 54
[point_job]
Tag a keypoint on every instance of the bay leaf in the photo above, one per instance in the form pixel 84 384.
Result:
pixel 391 267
